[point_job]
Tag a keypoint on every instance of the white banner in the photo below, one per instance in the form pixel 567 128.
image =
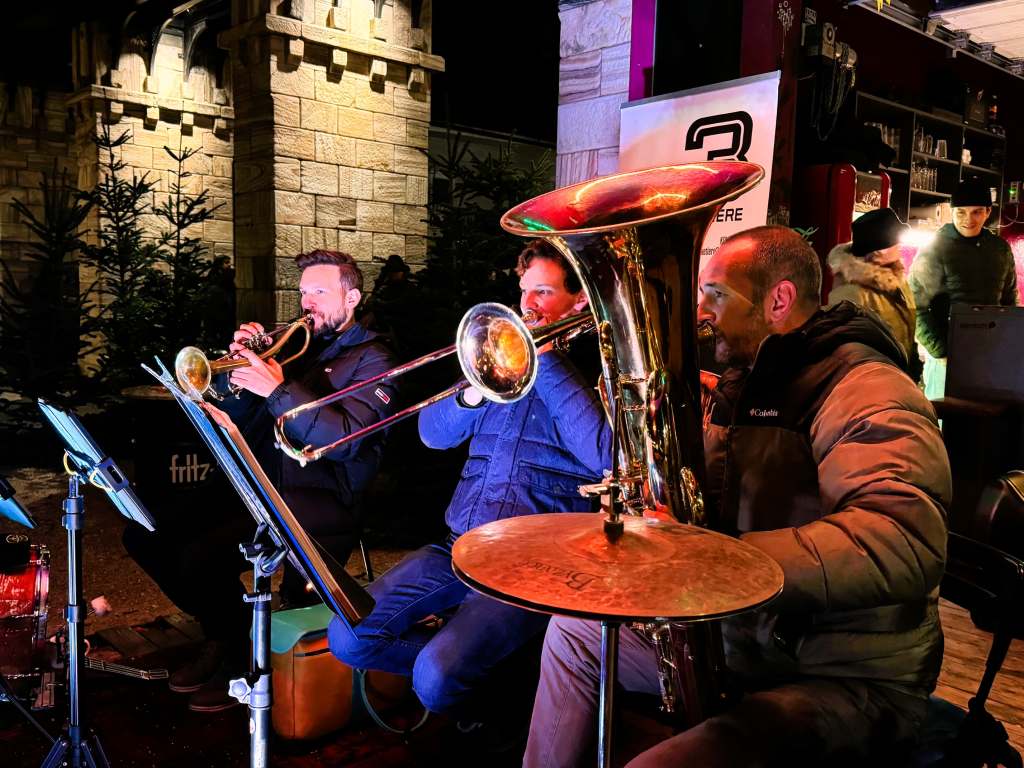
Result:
pixel 734 120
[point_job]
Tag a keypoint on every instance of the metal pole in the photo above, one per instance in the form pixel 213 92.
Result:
pixel 260 698
pixel 609 664
pixel 72 521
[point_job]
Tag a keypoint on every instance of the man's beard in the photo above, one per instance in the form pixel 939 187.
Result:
pixel 328 324
pixel 740 352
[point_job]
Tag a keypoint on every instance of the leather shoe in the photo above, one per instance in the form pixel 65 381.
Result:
pixel 212 697
pixel 195 674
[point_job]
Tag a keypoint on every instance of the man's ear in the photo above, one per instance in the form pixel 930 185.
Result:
pixel 780 301
pixel 581 302
pixel 353 297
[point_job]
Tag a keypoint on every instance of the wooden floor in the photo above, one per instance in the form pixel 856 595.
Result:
pixel 964 662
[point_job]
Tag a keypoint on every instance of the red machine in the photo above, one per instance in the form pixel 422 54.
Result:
pixel 826 200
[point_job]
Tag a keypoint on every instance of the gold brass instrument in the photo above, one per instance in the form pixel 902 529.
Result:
pixel 635 241
pixel 496 351
pixel 195 371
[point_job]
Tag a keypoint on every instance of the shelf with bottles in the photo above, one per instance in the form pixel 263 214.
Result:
pixel 929 193
pixel 968 169
pixel 934 159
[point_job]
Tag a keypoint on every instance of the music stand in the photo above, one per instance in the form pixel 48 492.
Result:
pixel 278 535
pixel 84 462
pixel 11 508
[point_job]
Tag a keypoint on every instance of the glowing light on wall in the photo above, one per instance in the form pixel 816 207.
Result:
pixel 917 238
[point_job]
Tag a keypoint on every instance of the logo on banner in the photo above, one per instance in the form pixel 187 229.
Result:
pixel 738 125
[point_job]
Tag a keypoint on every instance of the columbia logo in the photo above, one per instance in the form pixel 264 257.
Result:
pixel 380 393
pixel 764 413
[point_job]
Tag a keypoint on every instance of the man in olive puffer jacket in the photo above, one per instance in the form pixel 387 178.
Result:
pixel 823 453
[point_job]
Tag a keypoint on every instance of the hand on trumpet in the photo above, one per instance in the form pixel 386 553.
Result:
pixel 243 338
pixel 261 377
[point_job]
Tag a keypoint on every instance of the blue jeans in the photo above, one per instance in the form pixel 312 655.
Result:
pixel 448 665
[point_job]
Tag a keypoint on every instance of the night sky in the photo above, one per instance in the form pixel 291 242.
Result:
pixel 501 66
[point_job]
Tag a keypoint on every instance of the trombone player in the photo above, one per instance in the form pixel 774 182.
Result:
pixel 199 569
pixel 525 457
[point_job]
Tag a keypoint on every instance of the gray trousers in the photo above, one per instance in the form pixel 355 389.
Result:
pixel 798 723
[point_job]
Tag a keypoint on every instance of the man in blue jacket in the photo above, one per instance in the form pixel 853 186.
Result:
pixel 194 558
pixel 525 457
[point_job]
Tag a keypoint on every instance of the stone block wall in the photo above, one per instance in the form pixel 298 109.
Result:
pixel 332 124
pixel 33 136
pixel 161 110
pixel 593 83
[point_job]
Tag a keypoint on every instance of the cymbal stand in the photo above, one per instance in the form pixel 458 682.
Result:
pixel 71 749
pixel 255 689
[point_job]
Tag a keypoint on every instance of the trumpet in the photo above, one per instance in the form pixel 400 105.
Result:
pixel 497 353
pixel 195 371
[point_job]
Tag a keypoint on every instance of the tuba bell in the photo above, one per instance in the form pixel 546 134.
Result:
pixel 635 241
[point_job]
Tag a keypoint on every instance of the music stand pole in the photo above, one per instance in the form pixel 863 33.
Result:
pixel 255 688
pixel 71 749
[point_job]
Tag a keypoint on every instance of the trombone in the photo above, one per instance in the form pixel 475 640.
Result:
pixel 195 371
pixel 496 351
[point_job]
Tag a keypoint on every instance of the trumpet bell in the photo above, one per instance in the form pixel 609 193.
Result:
pixel 193 371
pixel 496 352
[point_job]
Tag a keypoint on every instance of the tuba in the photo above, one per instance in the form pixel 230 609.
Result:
pixel 635 241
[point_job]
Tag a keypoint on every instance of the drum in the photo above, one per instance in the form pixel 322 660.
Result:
pixel 24 586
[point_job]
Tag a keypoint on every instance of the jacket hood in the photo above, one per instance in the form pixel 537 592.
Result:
pixel 846 323
pixel 863 271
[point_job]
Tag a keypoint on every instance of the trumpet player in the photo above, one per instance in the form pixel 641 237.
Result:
pixel 525 457
pixel 823 453
pixel 199 569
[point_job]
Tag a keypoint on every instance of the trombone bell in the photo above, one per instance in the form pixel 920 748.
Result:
pixel 496 352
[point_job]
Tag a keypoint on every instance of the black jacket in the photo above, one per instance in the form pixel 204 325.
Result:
pixel 336 481
pixel 959 270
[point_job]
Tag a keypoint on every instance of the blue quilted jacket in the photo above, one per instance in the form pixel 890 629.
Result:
pixel 528 456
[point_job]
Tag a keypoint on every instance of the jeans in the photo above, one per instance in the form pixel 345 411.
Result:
pixel 449 666
pixel 804 722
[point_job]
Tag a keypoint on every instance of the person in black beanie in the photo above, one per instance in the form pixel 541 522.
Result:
pixel 869 272
pixel 964 264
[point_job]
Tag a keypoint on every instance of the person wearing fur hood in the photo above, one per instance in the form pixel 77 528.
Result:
pixel 869 272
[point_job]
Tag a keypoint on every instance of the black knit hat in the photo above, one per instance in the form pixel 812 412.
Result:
pixel 875 231
pixel 971 192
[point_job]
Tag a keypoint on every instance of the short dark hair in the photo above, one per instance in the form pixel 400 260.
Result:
pixel 351 275
pixel 780 254
pixel 542 249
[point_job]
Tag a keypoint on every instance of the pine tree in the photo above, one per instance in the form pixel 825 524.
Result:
pixel 41 316
pixel 198 307
pixel 128 285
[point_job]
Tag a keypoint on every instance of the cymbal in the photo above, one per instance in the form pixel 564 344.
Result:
pixel 564 563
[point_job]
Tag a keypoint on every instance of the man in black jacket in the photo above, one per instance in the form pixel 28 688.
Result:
pixel 964 264
pixel 194 558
